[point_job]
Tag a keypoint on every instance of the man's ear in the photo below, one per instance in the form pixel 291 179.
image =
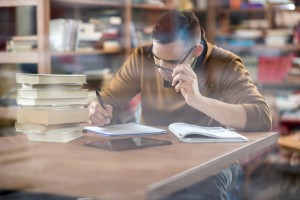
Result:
pixel 198 50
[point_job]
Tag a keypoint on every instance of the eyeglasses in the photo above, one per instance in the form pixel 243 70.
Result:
pixel 173 62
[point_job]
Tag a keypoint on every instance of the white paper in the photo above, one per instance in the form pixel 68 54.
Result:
pixel 125 129
pixel 183 131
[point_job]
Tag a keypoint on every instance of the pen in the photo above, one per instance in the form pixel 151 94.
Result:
pixel 101 101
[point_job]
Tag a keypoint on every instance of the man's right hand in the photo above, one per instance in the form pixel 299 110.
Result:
pixel 99 116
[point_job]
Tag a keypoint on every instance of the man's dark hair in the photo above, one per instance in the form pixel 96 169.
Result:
pixel 177 24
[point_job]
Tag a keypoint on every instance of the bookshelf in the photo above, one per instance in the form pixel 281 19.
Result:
pixel 52 9
pixel 47 9
pixel 272 18
pixel 215 19
pixel 40 56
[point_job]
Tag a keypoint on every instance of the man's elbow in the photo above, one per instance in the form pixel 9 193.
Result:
pixel 262 123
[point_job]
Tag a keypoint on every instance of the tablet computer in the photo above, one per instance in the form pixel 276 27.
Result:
pixel 127 143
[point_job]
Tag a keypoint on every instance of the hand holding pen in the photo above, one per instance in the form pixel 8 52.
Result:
pixel 99 113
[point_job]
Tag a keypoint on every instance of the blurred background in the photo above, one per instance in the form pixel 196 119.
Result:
pixel 95 37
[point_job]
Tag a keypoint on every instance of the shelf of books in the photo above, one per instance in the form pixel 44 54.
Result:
pixel 106 3
pixel 97 28
pixel 259 9
pixel 152 7
pixel 87 52
pixel 19 57
pixel 28 48
pixel 15 3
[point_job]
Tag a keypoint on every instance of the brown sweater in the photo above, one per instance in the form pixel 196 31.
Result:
pixel 221 75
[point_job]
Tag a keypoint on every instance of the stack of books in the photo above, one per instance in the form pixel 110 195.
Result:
pixel 278 37
pixel 22 43
pixel 52 106
pixel 293 74
pixel 274 69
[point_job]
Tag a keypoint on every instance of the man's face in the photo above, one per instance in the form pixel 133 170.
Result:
pixel 168 56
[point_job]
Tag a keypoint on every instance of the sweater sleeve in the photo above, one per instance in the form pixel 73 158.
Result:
pixel 125 84
pixel 238 88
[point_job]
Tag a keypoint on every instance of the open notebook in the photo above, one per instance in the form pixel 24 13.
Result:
pixel 125 129
pixel 193 133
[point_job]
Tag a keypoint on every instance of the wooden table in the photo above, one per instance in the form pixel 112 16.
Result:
pixel 290 142
pixel 76 170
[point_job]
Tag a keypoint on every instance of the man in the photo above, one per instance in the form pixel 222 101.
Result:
pixel 183 78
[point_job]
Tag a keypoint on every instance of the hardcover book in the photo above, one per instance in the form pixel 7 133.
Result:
pixel 43 129
pixel 50 78
pixel 57 137
pixel 52 116
pixel 50 93
pixel 50 102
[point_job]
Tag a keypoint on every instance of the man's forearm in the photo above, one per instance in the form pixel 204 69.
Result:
pixel 230 115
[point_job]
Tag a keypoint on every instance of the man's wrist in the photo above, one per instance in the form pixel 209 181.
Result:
pixel 199 102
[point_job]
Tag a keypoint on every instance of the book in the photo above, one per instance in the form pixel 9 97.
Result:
pixel 52 116
pixel 41 128
pixel 50 78
pixel 23 43
pixel 50 102
pixel 24 38
pixel 125 129
pixel 52 86
pixel 193 133
pixel 58 137
pixel 50 93
pixel 57 34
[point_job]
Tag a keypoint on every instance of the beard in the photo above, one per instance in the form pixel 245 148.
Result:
pixel 167 76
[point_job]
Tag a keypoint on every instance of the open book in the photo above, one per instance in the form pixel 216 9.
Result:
pixel 194 133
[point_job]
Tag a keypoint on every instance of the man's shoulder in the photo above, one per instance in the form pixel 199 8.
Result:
pixel 220 53
pixel 141 51
pixel 144 47
pixel 221 60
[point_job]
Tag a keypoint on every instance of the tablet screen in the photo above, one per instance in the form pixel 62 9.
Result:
pixel 127 143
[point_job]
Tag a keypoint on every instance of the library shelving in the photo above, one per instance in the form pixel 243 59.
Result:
pixel 217 21
pixel 40 56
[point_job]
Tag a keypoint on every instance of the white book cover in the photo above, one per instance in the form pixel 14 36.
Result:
pixel 194 133
pixel 51 102
pixel 57 32
pixel 41 128
pixel 50 93
pixel 25 78
pixel 125 129
pixel 51 131
pixel 58 137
